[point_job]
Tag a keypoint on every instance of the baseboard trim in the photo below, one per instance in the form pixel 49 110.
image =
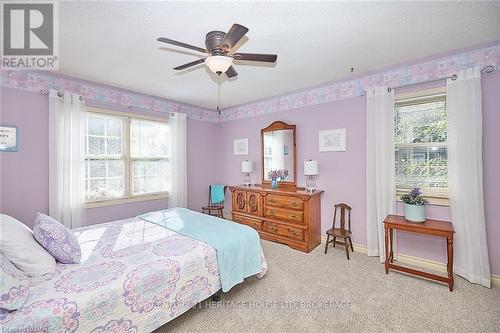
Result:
pixel 416 261
pixel 357 247
pixel 495 280
pixel 421 262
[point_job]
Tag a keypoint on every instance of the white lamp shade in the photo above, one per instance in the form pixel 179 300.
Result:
pixel 246 166
pixel 218 63
pixel 310 168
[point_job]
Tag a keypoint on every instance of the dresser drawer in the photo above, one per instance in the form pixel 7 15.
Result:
pixel 284 201
pixel 254 223
pixel 283 214
pixel 285 231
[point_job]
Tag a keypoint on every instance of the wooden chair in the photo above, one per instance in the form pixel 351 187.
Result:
pixel 341 232
pixel 214 207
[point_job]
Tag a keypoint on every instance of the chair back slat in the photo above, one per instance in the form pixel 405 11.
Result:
pixel 334 217
pixel 343 208
pixel 349 225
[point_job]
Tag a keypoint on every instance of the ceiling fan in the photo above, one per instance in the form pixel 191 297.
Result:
pixel 219 47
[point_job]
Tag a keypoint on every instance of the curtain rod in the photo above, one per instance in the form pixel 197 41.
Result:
pixel 486 69
pixel 130 107
pixel 45 92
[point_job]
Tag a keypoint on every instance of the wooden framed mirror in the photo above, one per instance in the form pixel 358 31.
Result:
pixel 278 152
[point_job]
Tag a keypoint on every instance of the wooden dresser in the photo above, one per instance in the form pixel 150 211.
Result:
pixel 288 216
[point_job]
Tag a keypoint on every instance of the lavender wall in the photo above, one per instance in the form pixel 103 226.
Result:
pixel 491 165
pixel 24 174
pixel 342 174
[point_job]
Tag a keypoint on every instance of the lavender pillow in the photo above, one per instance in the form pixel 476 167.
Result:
pixel 14 286
pixel 58 240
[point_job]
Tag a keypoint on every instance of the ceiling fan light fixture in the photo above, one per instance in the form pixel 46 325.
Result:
pixel 218 64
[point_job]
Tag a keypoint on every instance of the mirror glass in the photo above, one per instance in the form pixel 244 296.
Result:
pixel 278 153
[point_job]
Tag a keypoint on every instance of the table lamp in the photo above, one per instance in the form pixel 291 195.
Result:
pixel 246 168
pixel 310 170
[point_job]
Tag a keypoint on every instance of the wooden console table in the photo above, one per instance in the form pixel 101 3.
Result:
pixel 429 227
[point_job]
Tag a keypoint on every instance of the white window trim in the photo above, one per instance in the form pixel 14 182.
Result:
pixel 435 197
pixel 129 197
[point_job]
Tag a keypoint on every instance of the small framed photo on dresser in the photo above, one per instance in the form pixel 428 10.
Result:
pixel 8 139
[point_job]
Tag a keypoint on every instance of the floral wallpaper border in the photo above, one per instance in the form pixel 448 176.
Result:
pixel 434 69
pixel 37 81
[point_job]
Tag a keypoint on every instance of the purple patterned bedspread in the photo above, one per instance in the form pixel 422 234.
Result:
pixel 134 277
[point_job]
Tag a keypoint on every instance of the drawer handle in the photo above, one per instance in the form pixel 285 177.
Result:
pixel 271 212
pixel 293 232
pixel 294 216
pixel 273 228
pixel 295 203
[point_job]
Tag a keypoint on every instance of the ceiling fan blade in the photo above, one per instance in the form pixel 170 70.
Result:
pixel 233 36
pixel 181 44
pixel 231 72
pixel 190 64
pixel 255 57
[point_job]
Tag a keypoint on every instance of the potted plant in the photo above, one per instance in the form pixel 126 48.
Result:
pixel 414 205
pixel 274 174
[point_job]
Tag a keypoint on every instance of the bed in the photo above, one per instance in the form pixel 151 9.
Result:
pixel 134 276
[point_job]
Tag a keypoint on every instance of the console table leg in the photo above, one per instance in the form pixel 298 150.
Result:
pixel 451 280
pixel 386 231
pixel 391 249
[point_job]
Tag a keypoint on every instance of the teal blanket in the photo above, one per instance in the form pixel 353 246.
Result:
pixel 216 193
pixel 238 246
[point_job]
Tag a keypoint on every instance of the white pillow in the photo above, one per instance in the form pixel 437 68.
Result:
pixel 20 247
pixel 14 286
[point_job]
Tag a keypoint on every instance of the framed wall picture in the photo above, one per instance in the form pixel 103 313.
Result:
pixel 240 146
pixel 8 139
pixel 332 140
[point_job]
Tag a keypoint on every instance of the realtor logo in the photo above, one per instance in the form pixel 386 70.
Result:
pixel 29 35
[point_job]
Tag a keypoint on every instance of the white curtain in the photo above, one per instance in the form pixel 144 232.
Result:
pixel 66 158
pixel 178 166
pixel 380 167
pixel 465 176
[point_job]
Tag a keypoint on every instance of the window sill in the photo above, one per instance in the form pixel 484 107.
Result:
pixel 123 201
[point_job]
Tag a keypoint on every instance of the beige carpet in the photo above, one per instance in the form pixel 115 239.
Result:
pixel 361 298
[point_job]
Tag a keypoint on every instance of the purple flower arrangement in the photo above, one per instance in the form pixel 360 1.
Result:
pixel 275 174
pixel 414 197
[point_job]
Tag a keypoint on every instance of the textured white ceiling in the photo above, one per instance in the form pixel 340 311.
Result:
pixel 316 42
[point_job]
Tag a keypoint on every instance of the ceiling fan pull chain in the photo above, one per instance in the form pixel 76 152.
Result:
pixel 218 93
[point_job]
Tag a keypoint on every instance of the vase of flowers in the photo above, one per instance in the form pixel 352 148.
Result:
pixel 283 174
pixel 274 174
pixel 414 205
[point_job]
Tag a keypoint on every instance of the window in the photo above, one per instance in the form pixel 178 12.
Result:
pixel 421 145
pixel 125 157
pixel 149 153
pixel 105 158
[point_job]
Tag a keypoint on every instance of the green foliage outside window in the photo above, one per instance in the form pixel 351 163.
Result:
pixel 420 137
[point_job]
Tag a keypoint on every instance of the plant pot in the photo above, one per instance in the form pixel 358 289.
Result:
pixel 415 213
pixel 274 183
